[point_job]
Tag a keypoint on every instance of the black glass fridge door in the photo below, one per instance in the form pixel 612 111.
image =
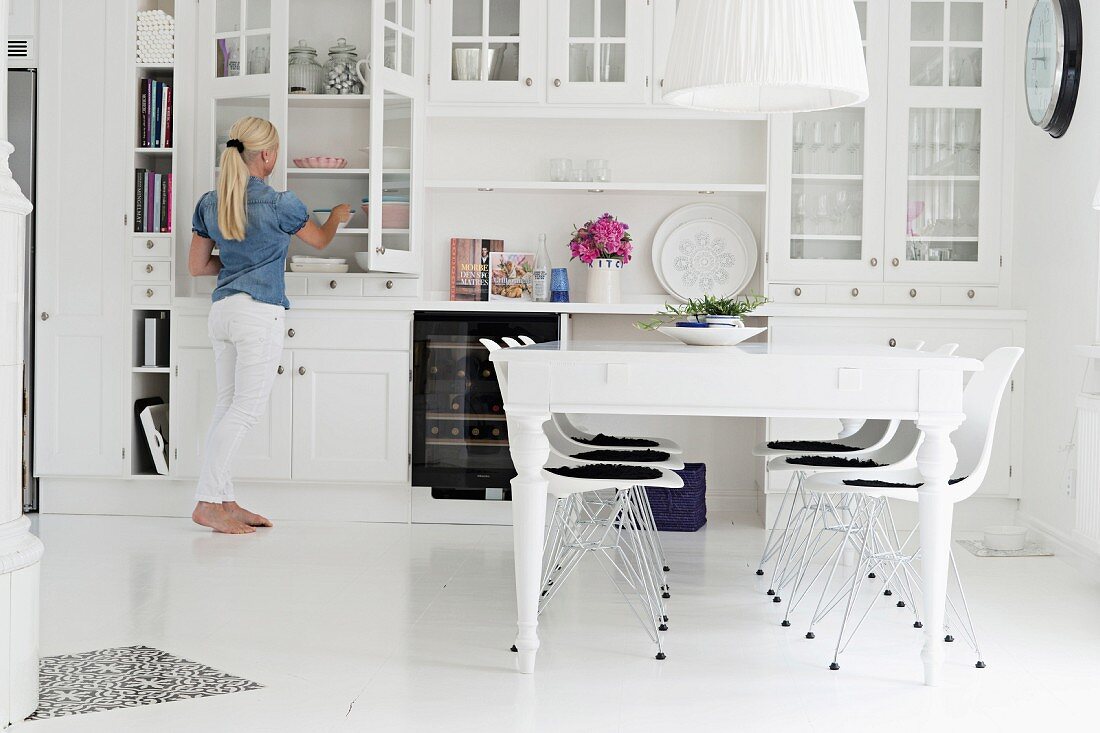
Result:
pixel 460 434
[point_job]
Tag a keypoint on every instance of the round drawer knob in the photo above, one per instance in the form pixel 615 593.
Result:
pixel 280 370
pixel 380 249
pixel 149 269
pixel 970 294
pixel 528 81
pixel 332 284
pixel 874 262
pixel 798 292
pixel 45 316
pixel 895 262
pixel 290 333
pixel 855 292
pixel 301 370
pixel 893 343
pixel 149 293
pixel 557 82
pixel 149 244
pixel 912 292
pixel 389 285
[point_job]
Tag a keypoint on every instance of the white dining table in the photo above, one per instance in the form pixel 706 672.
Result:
pixel 757 380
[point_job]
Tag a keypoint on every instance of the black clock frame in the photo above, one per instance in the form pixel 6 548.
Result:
pixel 1072 40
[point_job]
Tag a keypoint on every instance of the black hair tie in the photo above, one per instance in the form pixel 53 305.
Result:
pixel 235 143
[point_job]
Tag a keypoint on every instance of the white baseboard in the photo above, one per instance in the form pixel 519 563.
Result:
pixel 1079 553
pixel 741 501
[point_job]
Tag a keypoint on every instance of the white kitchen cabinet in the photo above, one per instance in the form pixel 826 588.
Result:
pixel 664 20
pixel 80 298
pixel 487 50
pixel 264 452
pixel 599 51
pixel 351 416
pixel 976 339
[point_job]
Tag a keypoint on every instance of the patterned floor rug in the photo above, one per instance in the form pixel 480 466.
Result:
pixel 1031 549
pixel 125 677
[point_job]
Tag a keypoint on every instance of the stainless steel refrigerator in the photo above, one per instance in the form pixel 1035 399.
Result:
pixel 22 113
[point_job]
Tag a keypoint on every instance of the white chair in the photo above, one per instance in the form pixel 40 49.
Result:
pixel 974 444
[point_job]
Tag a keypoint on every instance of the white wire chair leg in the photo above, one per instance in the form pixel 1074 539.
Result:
pixel 770 545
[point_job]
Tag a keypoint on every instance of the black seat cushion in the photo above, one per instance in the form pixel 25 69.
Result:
pixel 607 471
pixel 612 441
pixel 874 484
pixel 831 462
pixel 632 456
pixel 814 446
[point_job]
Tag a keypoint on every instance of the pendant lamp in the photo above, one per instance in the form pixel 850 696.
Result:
pixel 762 56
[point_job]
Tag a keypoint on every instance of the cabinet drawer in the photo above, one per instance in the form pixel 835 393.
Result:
pixel 378 333
pixel 151 294
pixel 152 246
pixel 152 271
pixel 329 285
pixel 912 295
pixel 794 293
pixel 986 297
pixel 404 287
pixel 860 294
pixel 295 285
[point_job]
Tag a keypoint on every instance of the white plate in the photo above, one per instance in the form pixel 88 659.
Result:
pixel 711 336
pixel 316 267
pixel 704 249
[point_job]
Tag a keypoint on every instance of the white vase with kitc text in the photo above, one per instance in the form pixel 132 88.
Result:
pixel 604 277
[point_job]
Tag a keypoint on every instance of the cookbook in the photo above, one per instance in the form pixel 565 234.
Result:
pixel 512 275
pixel 470 277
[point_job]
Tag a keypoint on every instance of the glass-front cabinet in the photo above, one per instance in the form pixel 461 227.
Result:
pixel 942 218
pixel 343 82
pixel 906 188
pixel 492 50
pixel 599 51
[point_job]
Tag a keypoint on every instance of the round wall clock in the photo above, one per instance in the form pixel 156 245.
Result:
pixel 1052 72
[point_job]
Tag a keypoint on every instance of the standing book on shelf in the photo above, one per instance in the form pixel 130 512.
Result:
pixel 144 122
pixel 162 202
pixel 511 275
pixel 139 200
pixel 470 275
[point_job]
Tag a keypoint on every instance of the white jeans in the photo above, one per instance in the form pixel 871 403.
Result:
pixel 248 342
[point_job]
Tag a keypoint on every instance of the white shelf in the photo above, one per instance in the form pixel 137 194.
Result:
pixel 945 178
pixel 328 100
pixel 326 172
pixel 825 177
pixel 828 237
pixel 152 370
pixel 155 67
pixel 596 187
pixel 943 239
pixel 153 151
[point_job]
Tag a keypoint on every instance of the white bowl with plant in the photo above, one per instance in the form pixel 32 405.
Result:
pixel 709 310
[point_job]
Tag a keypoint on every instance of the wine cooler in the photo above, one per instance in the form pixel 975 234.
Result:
pixel 460 435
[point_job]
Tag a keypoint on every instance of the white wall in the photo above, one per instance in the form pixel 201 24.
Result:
pixel 1057 237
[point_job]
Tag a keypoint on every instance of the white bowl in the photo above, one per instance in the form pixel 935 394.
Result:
pixel 321 215
pixel 716 336
pixel 363 260
pixel 1005 537
pixel 393 157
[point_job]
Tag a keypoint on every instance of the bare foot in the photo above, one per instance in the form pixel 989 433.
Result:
pixel 236 511
pixel 218 519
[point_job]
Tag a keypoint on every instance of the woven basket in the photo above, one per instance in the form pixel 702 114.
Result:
pixel 681 510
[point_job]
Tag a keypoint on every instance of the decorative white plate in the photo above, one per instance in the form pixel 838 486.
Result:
pixel 317 267
pixel 704 249
pixel 712 336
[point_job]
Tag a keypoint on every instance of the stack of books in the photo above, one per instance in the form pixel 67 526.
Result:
pixel 152 201
pixel 155 128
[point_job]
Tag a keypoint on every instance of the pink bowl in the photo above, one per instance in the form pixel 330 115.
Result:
pixel 321 162
pixel 394 215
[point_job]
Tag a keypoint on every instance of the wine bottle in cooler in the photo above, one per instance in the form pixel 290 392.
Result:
pixel 540 287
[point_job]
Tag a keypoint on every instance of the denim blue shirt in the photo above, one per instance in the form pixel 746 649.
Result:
pixel 255 264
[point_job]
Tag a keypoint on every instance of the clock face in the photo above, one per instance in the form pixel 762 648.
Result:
pixel 1042 72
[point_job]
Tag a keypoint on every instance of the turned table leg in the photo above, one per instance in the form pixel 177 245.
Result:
pixel 530 449
pixel 937 460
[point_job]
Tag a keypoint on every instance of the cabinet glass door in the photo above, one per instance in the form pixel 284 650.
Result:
pixel 599 51
pixel 242 37
pixel 484 50
pixel 945 120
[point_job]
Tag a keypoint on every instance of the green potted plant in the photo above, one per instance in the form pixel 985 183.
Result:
pixel 709 309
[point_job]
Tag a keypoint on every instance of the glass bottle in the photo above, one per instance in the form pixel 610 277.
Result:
pixel 341 73
pixel 540 287
pixel 304 74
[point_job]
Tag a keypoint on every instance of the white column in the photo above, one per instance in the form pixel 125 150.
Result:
pixel 20 551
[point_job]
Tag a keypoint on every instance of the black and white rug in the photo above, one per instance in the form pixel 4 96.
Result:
pixel 125 677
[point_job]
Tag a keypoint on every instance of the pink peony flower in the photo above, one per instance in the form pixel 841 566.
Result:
pixel 605 237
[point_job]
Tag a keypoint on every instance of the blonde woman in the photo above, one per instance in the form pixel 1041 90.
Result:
pixel 251 225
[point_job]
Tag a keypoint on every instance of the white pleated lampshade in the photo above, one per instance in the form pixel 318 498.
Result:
pixel 766 56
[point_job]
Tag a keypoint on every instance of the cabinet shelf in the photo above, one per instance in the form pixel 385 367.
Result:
pixel 153 151
pixel 152 370
pixel 596 187
pixel 464 416
pixel 942 239
pixel 461 441
pixel 326 172
pixel 828 237
pixel 328 100
pixel 934 178
pixel 825 177
pixel 155 67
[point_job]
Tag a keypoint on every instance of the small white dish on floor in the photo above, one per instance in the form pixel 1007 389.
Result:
pixel 711 336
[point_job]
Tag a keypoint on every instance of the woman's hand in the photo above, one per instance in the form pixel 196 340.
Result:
pixel 341 213
pixel 320 237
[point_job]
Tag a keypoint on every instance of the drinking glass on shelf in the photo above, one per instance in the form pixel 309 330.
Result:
pixel 559 169
pixel 964 141
pixel 855 145
pixel 916 142
pixel 822 215
pixel 578 175
pixel 841 207
pixel 836 141
pixel 799 144
pixel 798 214
pixel 817 141
pixel 598 170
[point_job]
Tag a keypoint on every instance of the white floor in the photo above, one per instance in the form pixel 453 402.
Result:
pixel 368 627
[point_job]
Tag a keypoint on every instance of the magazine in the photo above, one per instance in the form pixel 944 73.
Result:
pixel 470 278
pixel 512 275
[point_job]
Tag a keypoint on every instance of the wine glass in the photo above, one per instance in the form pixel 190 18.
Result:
pixel 823 214
pixel 836 141
pixel 841 207
pixel 798 214
pixel 916 142
pixel 817 141
pixel 855 145
pixel 799 143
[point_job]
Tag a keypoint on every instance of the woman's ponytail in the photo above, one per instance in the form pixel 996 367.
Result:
pixel 248 137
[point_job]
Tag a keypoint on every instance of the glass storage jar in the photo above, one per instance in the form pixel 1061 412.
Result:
pixel 342 74
pixel 304 74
